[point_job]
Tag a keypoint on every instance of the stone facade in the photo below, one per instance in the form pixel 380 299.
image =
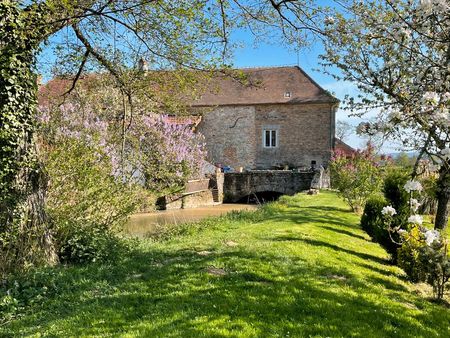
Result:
pixel 230 134
pixel 285 182
pixel 234 135
pixel 277 117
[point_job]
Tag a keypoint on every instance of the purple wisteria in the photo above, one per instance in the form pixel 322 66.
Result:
pixel 159 151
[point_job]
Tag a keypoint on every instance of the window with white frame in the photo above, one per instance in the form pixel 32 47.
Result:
pixel 270 138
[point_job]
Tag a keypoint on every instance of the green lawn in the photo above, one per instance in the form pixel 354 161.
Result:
pixel 302 268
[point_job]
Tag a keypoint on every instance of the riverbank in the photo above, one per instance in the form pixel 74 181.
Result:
pixel 299 267
pixel 145 224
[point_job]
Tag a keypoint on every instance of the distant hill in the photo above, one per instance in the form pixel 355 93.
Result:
pixel 410 154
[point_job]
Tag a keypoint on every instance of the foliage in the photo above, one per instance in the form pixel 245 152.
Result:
pixel 424 258
pixel 397 54
pixel 356 177
pixel 308 260
pixel 377 227
pixel 169 152
pixel 375 223
pixel 404 160
pixel 372 221
pixel 409 258
pixel 397 197
pixel 85 203
pixel 157 151
pixel 422 253
pixel 24 236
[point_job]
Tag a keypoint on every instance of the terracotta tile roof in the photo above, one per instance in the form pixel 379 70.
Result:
pixel 267 85
pixel 343 147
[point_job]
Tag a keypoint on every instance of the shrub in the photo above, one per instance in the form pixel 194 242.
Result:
pixel 376 226
pixel 394 192
pixel 357 177
pixel 397 197
pixel 423 256
pixel 409 256
pixel 372 220
pixel 85 203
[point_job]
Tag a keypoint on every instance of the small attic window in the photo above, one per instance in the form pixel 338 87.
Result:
pixel 287 94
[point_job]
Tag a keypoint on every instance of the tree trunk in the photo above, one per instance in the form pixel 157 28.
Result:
pixel 25 238
pixel 443 197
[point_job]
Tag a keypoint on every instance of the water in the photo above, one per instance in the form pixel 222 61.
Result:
pixel 142 224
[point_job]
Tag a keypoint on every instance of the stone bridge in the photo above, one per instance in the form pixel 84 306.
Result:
pixel 238 186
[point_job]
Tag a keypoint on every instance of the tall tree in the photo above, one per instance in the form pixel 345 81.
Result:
pixel 398 54
pixel 110 35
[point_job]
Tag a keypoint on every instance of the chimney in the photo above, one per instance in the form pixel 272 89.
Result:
pixel 142 65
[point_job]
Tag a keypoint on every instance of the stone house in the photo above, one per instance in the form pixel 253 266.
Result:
pixel 284 118
pixel 267 118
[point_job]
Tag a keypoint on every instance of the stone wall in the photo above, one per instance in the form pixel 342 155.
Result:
pixel 304 135
pixel 213 195
pixel 239 185
pixel 230 135
pixel 234 135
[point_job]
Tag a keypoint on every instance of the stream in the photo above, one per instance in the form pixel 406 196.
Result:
pixel 139 225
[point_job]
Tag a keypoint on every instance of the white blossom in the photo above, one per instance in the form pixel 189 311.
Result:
pixel 431 236
pixel 414 204
pixel 412 185
pixel 415 219
pixel 437 5
pixel 389 210
pixel 431 98
pixel 426 5
pixel 329 20
pixel 434 167
pixel 402 232
pixel 445 153
pixel 446 97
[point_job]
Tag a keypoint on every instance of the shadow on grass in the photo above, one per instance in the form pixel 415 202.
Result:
pixel 375 269
pixel 318 215
pixel 164 294
pixel 314 242
pixel 344 232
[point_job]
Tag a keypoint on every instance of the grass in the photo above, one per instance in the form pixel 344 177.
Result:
pixel 299 268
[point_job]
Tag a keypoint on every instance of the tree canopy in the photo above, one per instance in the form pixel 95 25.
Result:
pixel 398 55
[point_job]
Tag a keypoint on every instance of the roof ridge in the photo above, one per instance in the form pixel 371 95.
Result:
pixel 292 65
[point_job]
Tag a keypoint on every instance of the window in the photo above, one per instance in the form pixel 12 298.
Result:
pixel 270 138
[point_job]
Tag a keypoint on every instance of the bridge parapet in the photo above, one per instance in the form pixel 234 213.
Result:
pixel 286 182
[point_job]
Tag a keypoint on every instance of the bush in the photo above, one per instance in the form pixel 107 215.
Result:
pixel 372 220
pixel 397 197
pixel 424 258
pixel 394 192
pixel 356 178
pixel 409 256
pixel 85 203
pixel 374 223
